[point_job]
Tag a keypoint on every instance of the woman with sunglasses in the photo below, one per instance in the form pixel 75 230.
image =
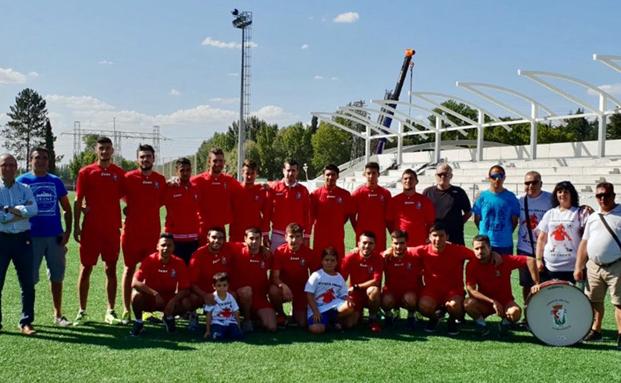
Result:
pixel 560 233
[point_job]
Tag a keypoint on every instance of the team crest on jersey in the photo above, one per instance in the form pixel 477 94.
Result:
pixel 298 195
pixel 156 185
pixel 302 262
pixel 418 205
pixel 223 260
pixel 262 264
pixel 339 200
pixel 370 269
pixel 381 198
pixel 408 266
pixel 173 273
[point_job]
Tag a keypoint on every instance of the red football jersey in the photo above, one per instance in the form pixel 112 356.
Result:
pixel 330 209
pixel 251 269
pixel 205 264
pixel 403 273
pixel 294 267
pixel 144 195
pixel 494 281
pixel 413 214
pixel 444 270
pixel 182 204
pixel 163 278
pixel 371 205
pixel 361 269
pixel 101 188
pixel 289 204
pixel 251 208
pixel 216 199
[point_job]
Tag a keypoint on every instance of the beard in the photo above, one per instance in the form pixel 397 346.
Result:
pixel 146 168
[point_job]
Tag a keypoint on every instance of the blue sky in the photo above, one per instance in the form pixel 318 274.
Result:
pixel 171 63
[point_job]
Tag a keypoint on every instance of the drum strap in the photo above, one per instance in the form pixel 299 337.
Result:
pixel 530 232
pixel 612 233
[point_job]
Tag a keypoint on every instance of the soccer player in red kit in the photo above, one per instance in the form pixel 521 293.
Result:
pixel 160 284
pixel 331 207
pixel 216 190
pixel 292 263
pixel 410 211
pixel 370 205
pixel 443 273
pixel 251 283
pixel 290 202
pixel 364 268
pixel 403 282
pixel 144 195
pixel 99 188
pixel 251 207
pixel 182 204
pixel 489 286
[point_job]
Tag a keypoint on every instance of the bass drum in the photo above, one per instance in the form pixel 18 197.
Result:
pixel 559 314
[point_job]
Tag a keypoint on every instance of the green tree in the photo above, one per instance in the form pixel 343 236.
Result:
pixel 294 142
pixel 26 129
pixel 50 138
pixel 331 145
pixel 613 128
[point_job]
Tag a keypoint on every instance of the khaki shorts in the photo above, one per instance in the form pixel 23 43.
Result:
pixel 602 278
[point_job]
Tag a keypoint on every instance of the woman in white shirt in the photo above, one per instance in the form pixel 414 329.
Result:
pixel 560 232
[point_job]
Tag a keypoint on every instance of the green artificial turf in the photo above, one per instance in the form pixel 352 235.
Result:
pixel 96 352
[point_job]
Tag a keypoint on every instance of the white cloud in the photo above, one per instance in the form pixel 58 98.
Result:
pixel 275 114
pixel 208 41
pixel 334 78
pixel 105 62
pixel 225 100
pixel 318 77
pixel 10 76
pixel 33 74
pixel 614 89
pixel 174 92
pixel 347 17
pixel 304 46
pixel 78 103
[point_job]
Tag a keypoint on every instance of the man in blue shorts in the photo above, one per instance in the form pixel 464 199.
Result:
pixel 497 212
pixel 48 238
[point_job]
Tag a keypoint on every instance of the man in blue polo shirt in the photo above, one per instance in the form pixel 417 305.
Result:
pixel 48 238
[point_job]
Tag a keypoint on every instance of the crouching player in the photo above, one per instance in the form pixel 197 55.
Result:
pixel 403 283
pixel 326 294
pixel 160 284
pixel 489 286
pixel 223 316
pixel 364 267
pixel 290 270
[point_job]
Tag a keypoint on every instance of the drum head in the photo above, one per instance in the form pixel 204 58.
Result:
pixel 559 314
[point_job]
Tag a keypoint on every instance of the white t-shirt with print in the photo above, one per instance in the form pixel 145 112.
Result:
pixel 537 207
pixel 564 229
pixel 223 312
pixel 329 290
pixel 601 247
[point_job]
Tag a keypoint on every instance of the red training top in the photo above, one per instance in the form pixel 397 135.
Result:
pixel 445 270
pixel 403 273
pixel 182 204
pixel 494 281
pixel 330 210
pixel 204 265
pixel 251 208
pixel 167 278
pixel 144 196
pixel 371 204
pixel 361 269
pixel 216 199
pixel 101 188
pixel 294 267
pixel 289 204
pixel 413 214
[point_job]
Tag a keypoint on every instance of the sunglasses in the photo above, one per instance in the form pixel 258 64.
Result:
pixel 443 174
pixel 497 176
pixel 603 195
pixel 528 183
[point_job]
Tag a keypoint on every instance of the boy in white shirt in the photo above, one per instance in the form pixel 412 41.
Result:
pixel 222 317
pixel 326 292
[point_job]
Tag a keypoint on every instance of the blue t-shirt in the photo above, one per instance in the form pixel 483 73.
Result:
pixel 47 190
pixel 496 211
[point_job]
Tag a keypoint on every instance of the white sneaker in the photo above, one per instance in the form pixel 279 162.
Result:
pixel 62 322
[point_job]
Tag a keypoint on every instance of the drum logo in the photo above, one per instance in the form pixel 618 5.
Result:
pixel 559 315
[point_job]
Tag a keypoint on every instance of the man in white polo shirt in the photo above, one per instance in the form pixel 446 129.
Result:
pixel 601 245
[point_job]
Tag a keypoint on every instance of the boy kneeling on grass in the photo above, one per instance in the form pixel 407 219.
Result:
pixel 222 317
pixel 326 292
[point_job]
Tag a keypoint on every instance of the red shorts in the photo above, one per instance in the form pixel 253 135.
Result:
pixel 398 292
pixel 96 242
pixel 442 295
pixel 150 304
pixel 359 299
pixel 299 302
pixel 135 249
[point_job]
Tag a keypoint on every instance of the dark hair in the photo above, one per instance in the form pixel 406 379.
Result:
pixel 220 277
pixel 167 236
pixel 252 230
pixel 182 161
pixel 39 149
pixel 218 229
pixel 410 172
pixel 329 251
pixel 499 167
pixel 145 148
pixel 216 151
pixel 250 164
pixel 294 228
pixel 332 168
pixel 399 234
pixel 481 238
pixel 565 185
pixel 437 226
pixel 606 185
pixel 292 162
pixel 101 140
pixel 372 166
pixel 369 234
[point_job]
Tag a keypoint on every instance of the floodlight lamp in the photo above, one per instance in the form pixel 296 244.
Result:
pixel 242 20
pixel 235 12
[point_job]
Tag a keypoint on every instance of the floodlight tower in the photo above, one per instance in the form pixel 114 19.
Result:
pixel 243 21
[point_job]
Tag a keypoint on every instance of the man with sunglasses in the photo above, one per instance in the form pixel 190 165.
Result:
pixel 496 212
pixel 601 246
pixel 451 203
pixel 536 203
